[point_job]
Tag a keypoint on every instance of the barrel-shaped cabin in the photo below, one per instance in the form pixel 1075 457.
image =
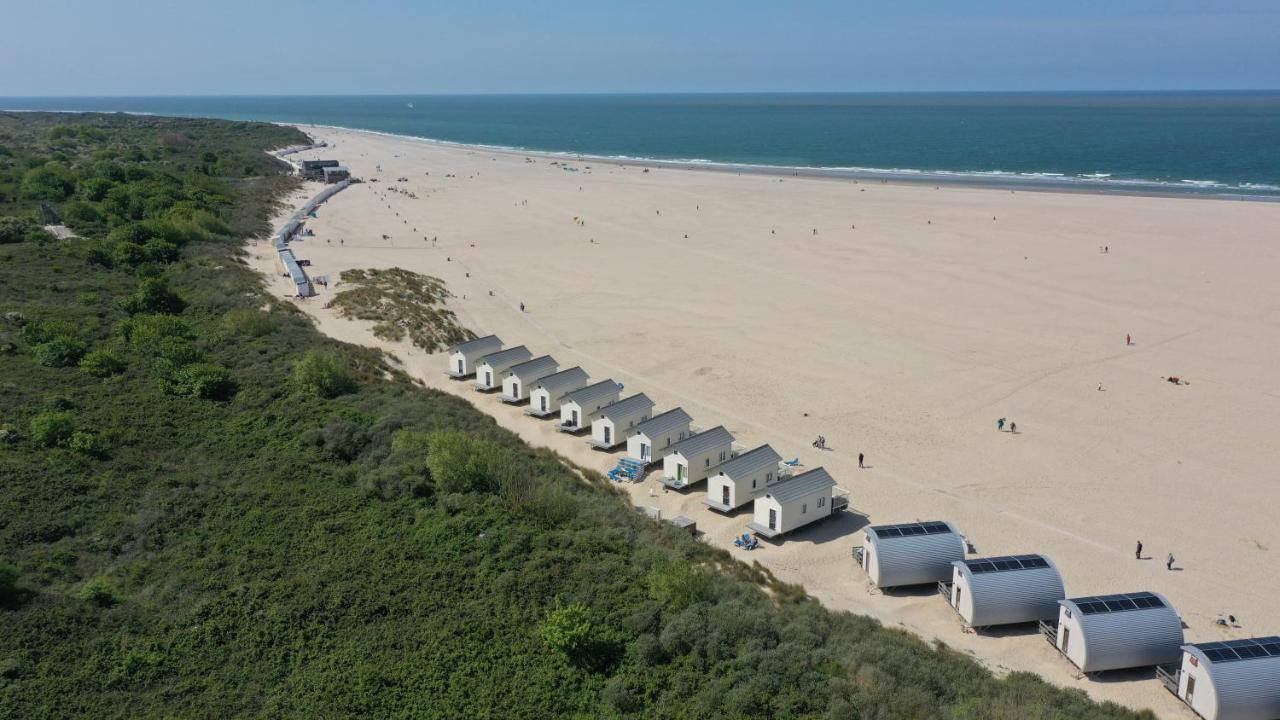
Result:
pixel 1005 590
pixel 914 553
pixel 1229 679
pixel 1116 632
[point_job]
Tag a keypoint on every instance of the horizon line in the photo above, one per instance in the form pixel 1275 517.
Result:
pixel 669 92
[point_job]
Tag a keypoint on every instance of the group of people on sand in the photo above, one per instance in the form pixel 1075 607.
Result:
pixel 1000 424
pixel 1168 562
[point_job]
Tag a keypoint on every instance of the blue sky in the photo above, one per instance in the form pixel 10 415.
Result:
pixel 148 47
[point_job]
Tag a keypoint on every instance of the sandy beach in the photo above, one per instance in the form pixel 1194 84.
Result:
pixel 900 321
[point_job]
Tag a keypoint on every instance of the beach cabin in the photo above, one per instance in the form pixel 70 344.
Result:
pixel 1114 632
pixel 738 481
pixel 1229 680
pixel 521 377
pixel 910 553
pixel 580 408
pixel 337 173
pixel 1005 590
pixel 301 283
pixel 693 459
pixel 793 503
pixel 545 397
pixel 614 422
pixel 490 368
pixel 314 169
pixel 464 356
pixel 652 438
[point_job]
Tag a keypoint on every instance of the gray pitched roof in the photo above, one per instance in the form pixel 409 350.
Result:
pixel 802 485
pixel 534 368
pixel 750 463
pixel 481 342
pixel 703 441
pixel 659 424
pixel 595 391
pixel 509 356
pixel 562 378
pixel 636 403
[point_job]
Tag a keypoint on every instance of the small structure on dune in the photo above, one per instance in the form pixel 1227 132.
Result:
pixel 796 502
pixel 693 459
pixel 337 173
pixel 615 421
pixel 545 397
pixel 1115 632
pixel 491 366
pixel 738 481
pixel 658 433
pixel 580 408
pixel 521 377
pixel 464 356
pixel 1228 680
pixel 1004 590
pixel 910 553
pixel 297 275
pixel 314 169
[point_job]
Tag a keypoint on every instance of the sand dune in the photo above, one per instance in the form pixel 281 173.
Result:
pixel 911 321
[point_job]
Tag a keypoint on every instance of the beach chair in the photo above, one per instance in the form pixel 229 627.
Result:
pixel 791 463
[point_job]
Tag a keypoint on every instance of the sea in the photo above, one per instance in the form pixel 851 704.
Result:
pixel 1215 143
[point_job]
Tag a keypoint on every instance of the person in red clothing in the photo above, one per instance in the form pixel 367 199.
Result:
pixel 1128 339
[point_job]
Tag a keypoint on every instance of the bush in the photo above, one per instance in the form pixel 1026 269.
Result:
pixel 100 592
pixel 204 381
pixel 87 444
pixel 52 429
pixel 16 230
pixel 147 333
pixel 102 363
pixel 60 352
pixel 50 182
pixel 323 375
pixel 675 584
pixel 568 629
pixel 248 323
pixel 8 583
pixel 462 463
pixel 153 296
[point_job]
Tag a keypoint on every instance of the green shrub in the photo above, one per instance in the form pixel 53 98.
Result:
pixel 568 629
pixel 87 444
pixel 323 375
pixel 52 429
pixel 8 583
pixel 203 381
pixel 248 323
pixel 462 463
pixel 60 352
pixel 147 333
pixel 102 363
pixel 100 592
pixel 16 230
pixel 153 296
pixel 50 182
pixel 676 584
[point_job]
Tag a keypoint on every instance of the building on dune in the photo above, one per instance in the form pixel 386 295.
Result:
pixel 545 397
pixel 314 169
pixel 651 439
pixel 464 356
pixel 913 553
pixel 1005 590
pixel 693 459
pixel 738 481
pixel 521 377
pixel 581 407
pixel 298 276
pixel 336 173
pixel 615 421
pixel 1228 680
pixel 491 367
pixel 1116 632
pixel 796 502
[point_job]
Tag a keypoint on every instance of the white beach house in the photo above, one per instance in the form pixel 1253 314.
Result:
pixel 521 377
pixel 793 503
pixel 464 356
pixel 580 408
pixel 490 368
pixel 693 459
pixel 738 481
pixel 614 422
pixel 652 438
pixel 545 397
pixel 1115 632
pixel 1005 590
pixel 910 553
pixel 1229 680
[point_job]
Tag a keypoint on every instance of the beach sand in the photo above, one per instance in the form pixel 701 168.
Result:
pixel 904 338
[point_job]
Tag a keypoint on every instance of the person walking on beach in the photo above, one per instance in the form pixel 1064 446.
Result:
pixel 521 307
pixel 1000 424
pixel 1168 564
pixel 1137 554
pixel 1128 339
pixel 860 459
pixel 1013 427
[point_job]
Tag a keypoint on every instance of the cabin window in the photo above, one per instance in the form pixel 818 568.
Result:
pixel 822 502
pixel 768 477
pixel 753 483
pixel 668 442
pixel 708 462
pixel 804 508
pixel 721 456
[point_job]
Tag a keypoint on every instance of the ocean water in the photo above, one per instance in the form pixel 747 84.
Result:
pixel 1210 142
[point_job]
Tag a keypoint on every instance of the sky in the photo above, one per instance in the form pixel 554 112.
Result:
pixel 242 47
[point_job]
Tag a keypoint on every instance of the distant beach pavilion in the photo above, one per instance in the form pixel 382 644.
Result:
pixel 693 459
pixel 651 439
pixel 580 408
pixel 464 356
pixel 739 480
pixel 1228 680
pixel 1116 632
pixel 490 368
pixel 914 553
pixel 314 169
pixel 521 377
pixel 545 397
pixel 1005 590
pixel 614 422
pixel 796 502
pixel 336 173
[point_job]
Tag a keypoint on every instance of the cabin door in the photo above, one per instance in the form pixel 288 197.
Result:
pixel 1191 688
pixel 957 597
pixel 724 495
pixel 1066 638
pixel 773 519
pixel 575 418
pixel 544 403
pixel 515 389
pixel 608 433
pixel 460 366
pixel 644 451
pixel 488 378
pixel 682 472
